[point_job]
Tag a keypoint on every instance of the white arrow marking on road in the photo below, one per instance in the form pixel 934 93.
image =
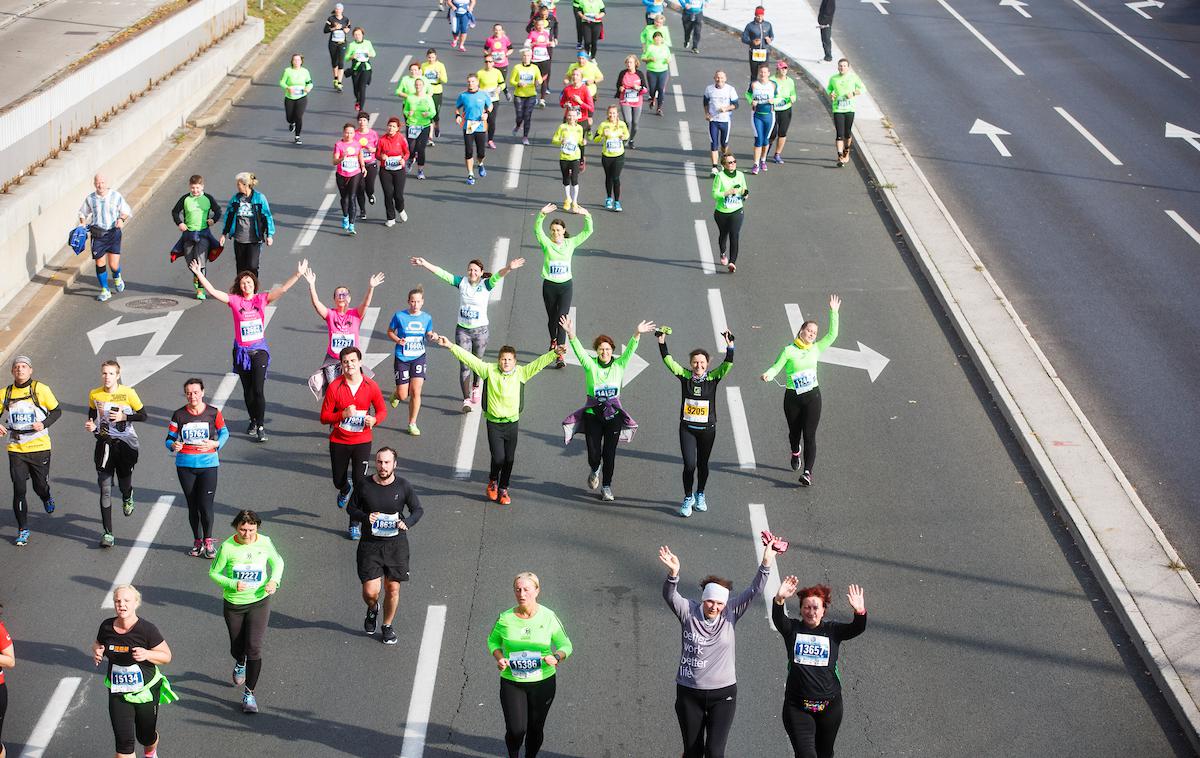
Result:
pixel 689 176
pixel 1188 136
pixel 135 368
pixel 370 360
pixel 758 524
pixel 416 724
pixel 1016 5
pixel 993 133
pixel 878 5
pixel 635 366
pixel 1137 7
pixel 1130 40
pixel 1185 226
pixel 865 358
pixel 47 723
pixel 716 310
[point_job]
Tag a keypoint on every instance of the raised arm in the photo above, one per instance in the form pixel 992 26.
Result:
pixel 375 280
pixel 317 305
pixel 213 292
pixel 277 293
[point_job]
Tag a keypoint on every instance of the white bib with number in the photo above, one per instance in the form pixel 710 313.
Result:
pixel 612 145
pixel 355 423
pixel 123 679
pixel 540 54
pixel 251 329
pixel 415 131
pixel 524 663
pixel 498 56
pixel 559 269
pixel 338 340
pixel 385 525
pixel 632 95
pixel 194 432
pixel 250 573
pixel 338 35
pixel 803 381
pixel 413 346
pixel 393 162
pixel 22 414
pixel 350 164
pixel 473 126
pixel 569 147
pixel 758 56
pixel 733 201
pixel 360 57
pixel 811 650
pixel 695 411
pixel 297 90
pixel 604 392
pixel 525 78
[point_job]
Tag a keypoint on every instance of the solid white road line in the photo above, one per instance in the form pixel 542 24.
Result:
pixel 706 255
pixel 416 724
pixel 741 430
pixel 515 154
pixel 47 723
pixel 141 546
pixel 499 259
pixel 1088 136
pixel 758 523
pixel 464 459
pixel 685 136
pixel 1012 66
pixel 677 90
pixel 310 228
pixel 716 309
pixel 428 22
pixel 230 380
pixel 1185 226
pixel 403 67
pixel 689 176
pixel 1132 41
pixel 370 318
pixel 671 67
pixel 794 316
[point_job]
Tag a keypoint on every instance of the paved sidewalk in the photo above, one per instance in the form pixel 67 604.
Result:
pixel 1157 599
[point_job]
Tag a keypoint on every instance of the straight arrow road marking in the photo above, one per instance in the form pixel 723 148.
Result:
pixel 141 546
pixel 864 358
pixel 1178 132
pixel 689 177
pixel 758 524
pixel 416 724
pixel 878 5
pixel 1137 7
pixel 1185 226
pixel 1016 5
pixel 741 430
pixel 400 71
pixel 986 43
pixel 1088 136
pixel 993 133
pixel 685 137
pixel 47 723
pixel 702 242
pixel 1178 72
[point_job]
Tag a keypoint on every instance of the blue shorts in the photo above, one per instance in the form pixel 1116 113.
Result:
pixel 105 241
pixel 461 22
pixel 406 371
pixel 763 124
pixel 718 134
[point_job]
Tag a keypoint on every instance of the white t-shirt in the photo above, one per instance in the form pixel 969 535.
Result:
pixel 719 97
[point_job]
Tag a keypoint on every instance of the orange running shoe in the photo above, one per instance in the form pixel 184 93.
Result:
pixel 492 493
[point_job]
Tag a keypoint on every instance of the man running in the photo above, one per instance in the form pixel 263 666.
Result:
pixel 758 36
pixel 112 409
pixel 472 111
pixel 105 212
pixel 29 409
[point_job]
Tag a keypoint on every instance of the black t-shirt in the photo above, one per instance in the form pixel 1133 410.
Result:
pixel 701 395
pixel 813 654
pixel 118 647
pixel 344 31
pixel 390 499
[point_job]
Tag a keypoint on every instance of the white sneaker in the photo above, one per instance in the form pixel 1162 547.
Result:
pixel 390 222
pixel 606 494
pixel 403 216
pixel 594 479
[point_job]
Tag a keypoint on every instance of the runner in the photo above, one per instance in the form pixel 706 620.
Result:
pixel 471 331
pixel 587 68
pixel 195 436
pixel 761 96
pixel 569 137
pixel 812 698
pixel 435 75
pixel 193 214
pixel 248 221
pixel 407 85
pixel 296 83
pixel 409 329
pixel 825 24
pixel 577 96
pixel 843 87
pixel 498 48
pixel 105 212
pixel 472 110
pixel 491 82
pixel 248 569
pixel 757 37
pixel 658 70
pixel 541 42
pixel 337 26
pixel 602 420
pixel 360 51
pixel 8 659
pixel 697 415
pixel 342 323
pixel 802 400
pixel 654 8
pixel 383 551
pixel 349 168
pixel 419 112
pixel 112 409
pixel 612 133
pixel 720 100
pixel 785 96
pixel 393 157
pixel 693 23
pixel 352 407
pixel 730 191
pixel 136 687
pixel 706 681
pixel 461 15
pixel 557 250
pixel 591 22
pixel 368 146
pixel 656 22
pixel 529 644
pixel 526 80
pixel 30 408
pixel 504 397
pixel 251 354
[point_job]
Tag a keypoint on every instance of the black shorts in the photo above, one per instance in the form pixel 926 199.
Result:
pixel 383 558
pixel 474 144
pixel 114 456
pixel 783 119
pixel 105 241
pixel 406 371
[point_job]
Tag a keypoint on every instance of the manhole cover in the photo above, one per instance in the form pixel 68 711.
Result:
pixel 152 304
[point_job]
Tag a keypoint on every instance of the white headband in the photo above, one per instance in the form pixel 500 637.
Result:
pixel 714 591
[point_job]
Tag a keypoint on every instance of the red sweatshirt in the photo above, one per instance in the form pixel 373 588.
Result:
pixel 395 147
pixel 353 430
pixel 584 103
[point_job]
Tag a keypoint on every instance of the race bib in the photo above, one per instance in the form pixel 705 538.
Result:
pixel 569 147
pixel 360 57
pixel 803 381
pixel 355 423
pixel 605 392
pixel 338 340
pixel 733 201
pixel 385 525
pixel 338 36
pixel 612 145
pixel 631 94
pixel 468 314
pixel 431 75
pixel 843 103
pixel 249 573
pixel 559 269
pixel 540 54
pixel 21 420
pixel 758 56
pixel 415 131
pixel 695 411
pixel 525 78
pixel 194 432
pixel 811 650
pixel 413 346
pixel 297 90
pixel 251 329
pixel 498 56
pixel 350 165
pixel 524 663
pixel 123 679
pixel 473 126
pixel 393 162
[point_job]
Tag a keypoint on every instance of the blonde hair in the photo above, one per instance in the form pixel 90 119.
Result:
pixel 247 178
pixel 137 596
pixel 537 585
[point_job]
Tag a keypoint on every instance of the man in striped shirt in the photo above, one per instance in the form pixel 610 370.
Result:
pixel 105 212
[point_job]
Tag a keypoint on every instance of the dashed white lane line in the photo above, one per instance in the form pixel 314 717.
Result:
pixel 1185 226
pixel 230 380
pixel 428 22
pixel 677 90
pixel 1088 136
pixel 705 248
pixel 693 185
pixel 716 310
pixel 758 522
pixel 499 259
pixel 794 316
pixel 986 43
pixel 515 154
pixel 685 137
pixel 313 224
pixel 671 67
pixel 47 723
pixel 741 429
pixel 400 71
pixel 420 705
pixel 1132 41
pixel 464 459
pixel 141 546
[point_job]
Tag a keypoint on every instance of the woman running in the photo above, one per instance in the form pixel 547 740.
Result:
pixel 761 95
pixel 785 97
pixel 360 51
pixel 410 329
pixel 419 112
pixel 612 134
pixel 812 698
pixel 461 15
pixel 697 415
pixel 296 83
pixel 631 88
pixel 498 47
pixel 729 190
pixel 136 687
pixel 8 659
pixel 557 250
pixel 342 323
pixel 529 644
pixel 195 436
pixel 435 75
pixel 112 409
pixel 590 14
pixel 248 569
pixel 251 354
pixel 526 81
pixel 602 420
pixel 541 41
pixel 248 222
pixel 491 81
pixel 368 147
pixel 656 24
pixel 843 87
pixel 706 681
pixel 471 331
pixel 658 70
pixel 569 137
pixel 337 26
pixel 393 160
pixel 802 400
pixel 349 168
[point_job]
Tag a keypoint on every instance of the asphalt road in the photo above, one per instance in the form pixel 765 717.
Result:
pixel 987 634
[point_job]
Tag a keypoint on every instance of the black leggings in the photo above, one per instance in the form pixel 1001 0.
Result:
pixel 705 717
pixel 570 171
pixel 526 706
pixel 602 437
pixel 349 458
pixel 3 708
pixel 544 68
pixel 803 413
pixel 417 145
pixel 199 489
pixel 114 459
pixel 247 255
pixel 294 111
pixel 36 468
pixel 612 174
pixel 812 734
pixel 254 385
pixel 591 35
pixel 523 107
pixel 843 124
pixel 502 444
pixel 696 445
pixel 134 724
pixel 348 187
pixel 361 78
pixel 247 625
pixel 393 191
pixel 366 188
pixel 729 228
pixel 692 25
pixel 437 108
pixel 557 298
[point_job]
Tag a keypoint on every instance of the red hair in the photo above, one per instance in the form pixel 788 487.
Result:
pixel 817 590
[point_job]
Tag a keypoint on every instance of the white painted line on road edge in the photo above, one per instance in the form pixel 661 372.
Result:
pixel 47 723
pixel 1088 136
pixel 671 67
pixel 716 310
pixel 464 459
pixel 1185 226
pixel 428 22
pixel 416 724
pixel 741 430
pixel 141 546
pixel 499 260
pixel 677 90
pixel 706 256
pixel 400 71
pixel 331 181
pixel 685 137
pixel 310 229
pixel 689 176
pixel 514 166
pixel 758 523
pixel 1012 66
pixel 794 316
pixel 1132 41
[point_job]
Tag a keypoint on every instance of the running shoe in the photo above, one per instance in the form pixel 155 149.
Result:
pixel 437 129
pixel 796 461
pixel 120 284
pixel 252 429
pixel 491 144
pixel 352 230
pixel 297 141
pixel 369 621
pixel 763 164
pixel 696 50
pixel 482 170
pixel 582 168
pixel 471 179
pixel 371 200
pixel 594 479
pixel 337 84
pixel 388 635
pixel 104 295
pixel 630 145
pixel 200 294
pixel 566 206
pixel 22 538
pixel 724 259
pixel 806 478
pixel 492 491
pixel 466 406
pixel 420 173
pixel 431 143
pixel 362 214
pixel 107 540
pixel 476 393
pixel 210 550
pixel 560 363
pixel 504 499
pixel 344 498
pixel 390 222
pixel 249 703
pixel 685 509
pixel 354 533
pixel 715 170
pixel 658 111
pixel 413 430
pixel 701 503
pixel 197 549
pixel 541 102
pixel 262 430
pixel 608 203
pixel 777 158
pixel 755 170
pixel 617 206
pixel 345 223
pixel 49 504
pixel 732 268
pixel 239 674
pixel 606 494
pixel 403 216
pixel 516 130
pixel 127 505
pixel 393 400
